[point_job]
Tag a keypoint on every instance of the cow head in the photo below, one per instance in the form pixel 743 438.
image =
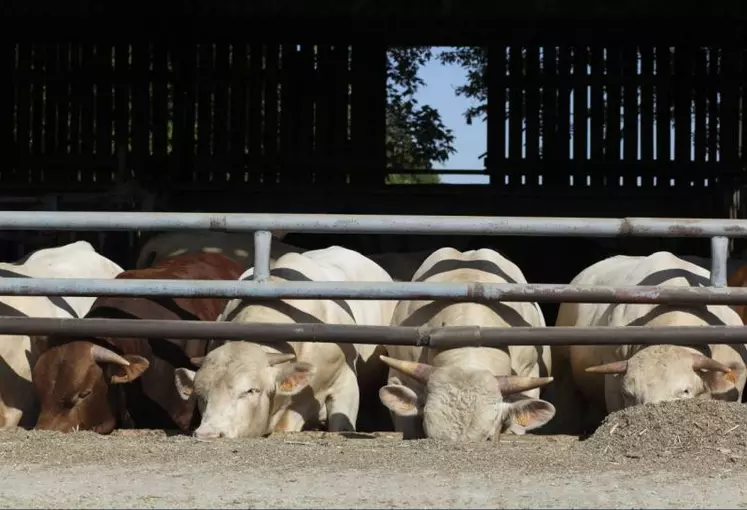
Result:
pixel 461 404
pixel 667 372
pixel 240 387
pixel 72 382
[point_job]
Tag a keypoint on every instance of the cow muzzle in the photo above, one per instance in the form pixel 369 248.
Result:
pixel 207 435
pixel 55 423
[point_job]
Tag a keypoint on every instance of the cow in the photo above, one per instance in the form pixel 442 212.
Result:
pixel 237 246
pixel 104 383
pixel 252 388
pixel 18 353
pixel 613 377
pixel 461 393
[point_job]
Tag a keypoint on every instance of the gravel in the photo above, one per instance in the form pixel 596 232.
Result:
pixel 679 454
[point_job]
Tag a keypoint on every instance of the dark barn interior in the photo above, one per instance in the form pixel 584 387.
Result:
pixel 280 107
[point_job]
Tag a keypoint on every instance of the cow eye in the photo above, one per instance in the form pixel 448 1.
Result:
pixel 84 394
pixel 251 391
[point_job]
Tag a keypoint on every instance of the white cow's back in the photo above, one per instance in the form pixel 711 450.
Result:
pixel 624 270
pixel 334 264
pixel 524 359
pixel 528 310
pixel 74 260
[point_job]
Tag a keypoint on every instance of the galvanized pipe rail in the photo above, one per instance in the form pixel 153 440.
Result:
pixel 261 290
pixel 719 230
pixel 474 336
pixel 374 224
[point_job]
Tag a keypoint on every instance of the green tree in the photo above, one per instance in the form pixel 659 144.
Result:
pixel 416 135
pixel 474 60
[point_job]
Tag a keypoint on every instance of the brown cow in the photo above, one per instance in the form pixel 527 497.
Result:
pixel 79 380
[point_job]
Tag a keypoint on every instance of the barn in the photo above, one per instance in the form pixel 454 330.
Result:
pixel 257 109
pixel 594 109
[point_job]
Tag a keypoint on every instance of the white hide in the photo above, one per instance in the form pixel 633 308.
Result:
pixel 462 400
pixel 656 373
pixel 18 353
pixel 242 388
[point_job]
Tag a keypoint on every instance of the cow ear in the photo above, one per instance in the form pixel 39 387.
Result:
pixel 400 400
pixel 120 374
pixel 723 386
pixel 527 414
pixel 184 380
pixel 293 377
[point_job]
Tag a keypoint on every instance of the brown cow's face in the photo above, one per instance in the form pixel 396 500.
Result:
pixel 72 383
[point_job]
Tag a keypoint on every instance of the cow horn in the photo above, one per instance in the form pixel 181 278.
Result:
pixel 104 355
pixel 418 371
pixel 509 384
pixel 274 358
pixel 701 362
pixel 616 367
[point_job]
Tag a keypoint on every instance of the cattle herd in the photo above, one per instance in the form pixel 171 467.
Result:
pixel 251 388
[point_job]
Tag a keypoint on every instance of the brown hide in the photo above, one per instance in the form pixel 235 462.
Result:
pixel 76 391
pixel 739 279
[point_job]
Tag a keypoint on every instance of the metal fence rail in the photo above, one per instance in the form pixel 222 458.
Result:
pixel 474 336
pixel 374 224
pixel 464 292
pixel 719 230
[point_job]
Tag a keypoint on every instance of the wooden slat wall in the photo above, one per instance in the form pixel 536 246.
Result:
pixel 195 114
pixel 634 115
pixel 235 114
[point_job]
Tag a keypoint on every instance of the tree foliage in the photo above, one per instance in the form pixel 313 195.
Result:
pixel 474 60
pixel 416 135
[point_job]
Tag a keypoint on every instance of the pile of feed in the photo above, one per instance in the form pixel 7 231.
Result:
pixel 667 428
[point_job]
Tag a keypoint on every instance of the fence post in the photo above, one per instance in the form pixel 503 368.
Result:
pixel 719 257
pixel 262 242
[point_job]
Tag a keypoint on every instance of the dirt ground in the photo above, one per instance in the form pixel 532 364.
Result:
pixel 691 455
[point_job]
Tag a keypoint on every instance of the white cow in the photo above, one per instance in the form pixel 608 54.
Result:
pixel 251 388
pixel 237 246
pixel 18 353
pixel 618 376
pixel 458 393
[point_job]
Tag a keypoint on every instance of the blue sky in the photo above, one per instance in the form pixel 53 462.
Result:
pixel 471 141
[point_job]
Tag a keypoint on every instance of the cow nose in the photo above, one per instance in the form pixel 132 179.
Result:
pixel 207 434
pixel 53 423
